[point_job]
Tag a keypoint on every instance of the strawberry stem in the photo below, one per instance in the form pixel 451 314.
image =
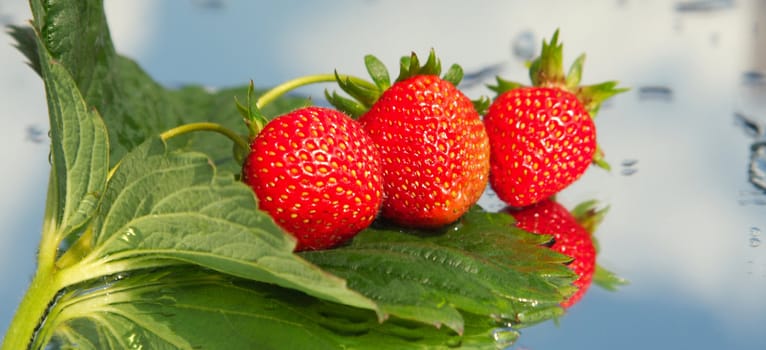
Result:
pixel 206 126
pixel 290 85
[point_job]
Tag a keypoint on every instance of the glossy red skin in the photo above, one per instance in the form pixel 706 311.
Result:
pixel 434 148
pixel 542 141
pixel 318 174
pixel 570 238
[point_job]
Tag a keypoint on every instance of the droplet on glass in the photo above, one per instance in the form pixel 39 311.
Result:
pixel 628 167
pixel 524 46
pixel 629 162
pixel 757 173
pixel 752 128
pixel 703 6
pixel 755 237
pixel 35 134
pixel 655 93
pixel 628 171
pixel 753 78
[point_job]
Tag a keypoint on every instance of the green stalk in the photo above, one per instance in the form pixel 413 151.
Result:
pixel 206 126
pixel 32 309
pixel 287 86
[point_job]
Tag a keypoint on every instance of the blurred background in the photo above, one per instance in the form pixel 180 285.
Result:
pixel 686 217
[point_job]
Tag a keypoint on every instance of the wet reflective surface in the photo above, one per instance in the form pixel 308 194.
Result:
pixel 687 204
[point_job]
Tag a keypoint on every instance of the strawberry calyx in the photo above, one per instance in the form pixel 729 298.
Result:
pixel 547 70
pixel 364 93
pixel 589 216
pixel 251 113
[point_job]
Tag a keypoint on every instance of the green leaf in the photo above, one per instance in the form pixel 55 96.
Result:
pixel 172 206
pixel 133 106
pixel 481 265
pixel 188 308
pixel 79 152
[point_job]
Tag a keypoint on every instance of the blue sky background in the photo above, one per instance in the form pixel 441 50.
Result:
pixel 679 227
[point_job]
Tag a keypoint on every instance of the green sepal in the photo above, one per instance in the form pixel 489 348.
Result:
pixel 592 96
pixel 378 72
pixel 481 104
pixel 575 73
pixel 608 280
pixel 454 74
pixel 504 85
pixel 346 105
pixel 366 94
pixel 589 216
pixel 409 66
pixel 254 119
pixel 548 68
pixel 599 160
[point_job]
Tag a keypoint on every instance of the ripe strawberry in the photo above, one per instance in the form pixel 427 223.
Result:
pixel 543 137
pixel 569 238
pixel 318 174
pixel 434 148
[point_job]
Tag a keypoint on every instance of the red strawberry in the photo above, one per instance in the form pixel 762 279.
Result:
pixel 543 137
pixel 434 148
pixel 318 174
pixel 569 238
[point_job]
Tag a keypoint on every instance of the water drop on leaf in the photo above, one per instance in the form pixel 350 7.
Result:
pixel 505 337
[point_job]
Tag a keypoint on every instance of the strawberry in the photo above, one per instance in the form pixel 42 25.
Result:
pixel 569 238
pixel 543 137
pixel 433 145
pixel 318 174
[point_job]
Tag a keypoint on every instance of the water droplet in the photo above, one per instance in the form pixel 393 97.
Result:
pixel 135 341
pixel 750 125
pixel 655 93
pixel 757 173
pixel 505 337
pixel 755 237
pixel 628 171
pixel 628 167
pixel 753 78
pixel 131 236
pixel 629 162
pixel 704 6
pixel 35 134
pixel 524 46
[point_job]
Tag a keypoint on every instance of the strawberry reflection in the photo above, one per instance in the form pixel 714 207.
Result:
pixel 573 235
